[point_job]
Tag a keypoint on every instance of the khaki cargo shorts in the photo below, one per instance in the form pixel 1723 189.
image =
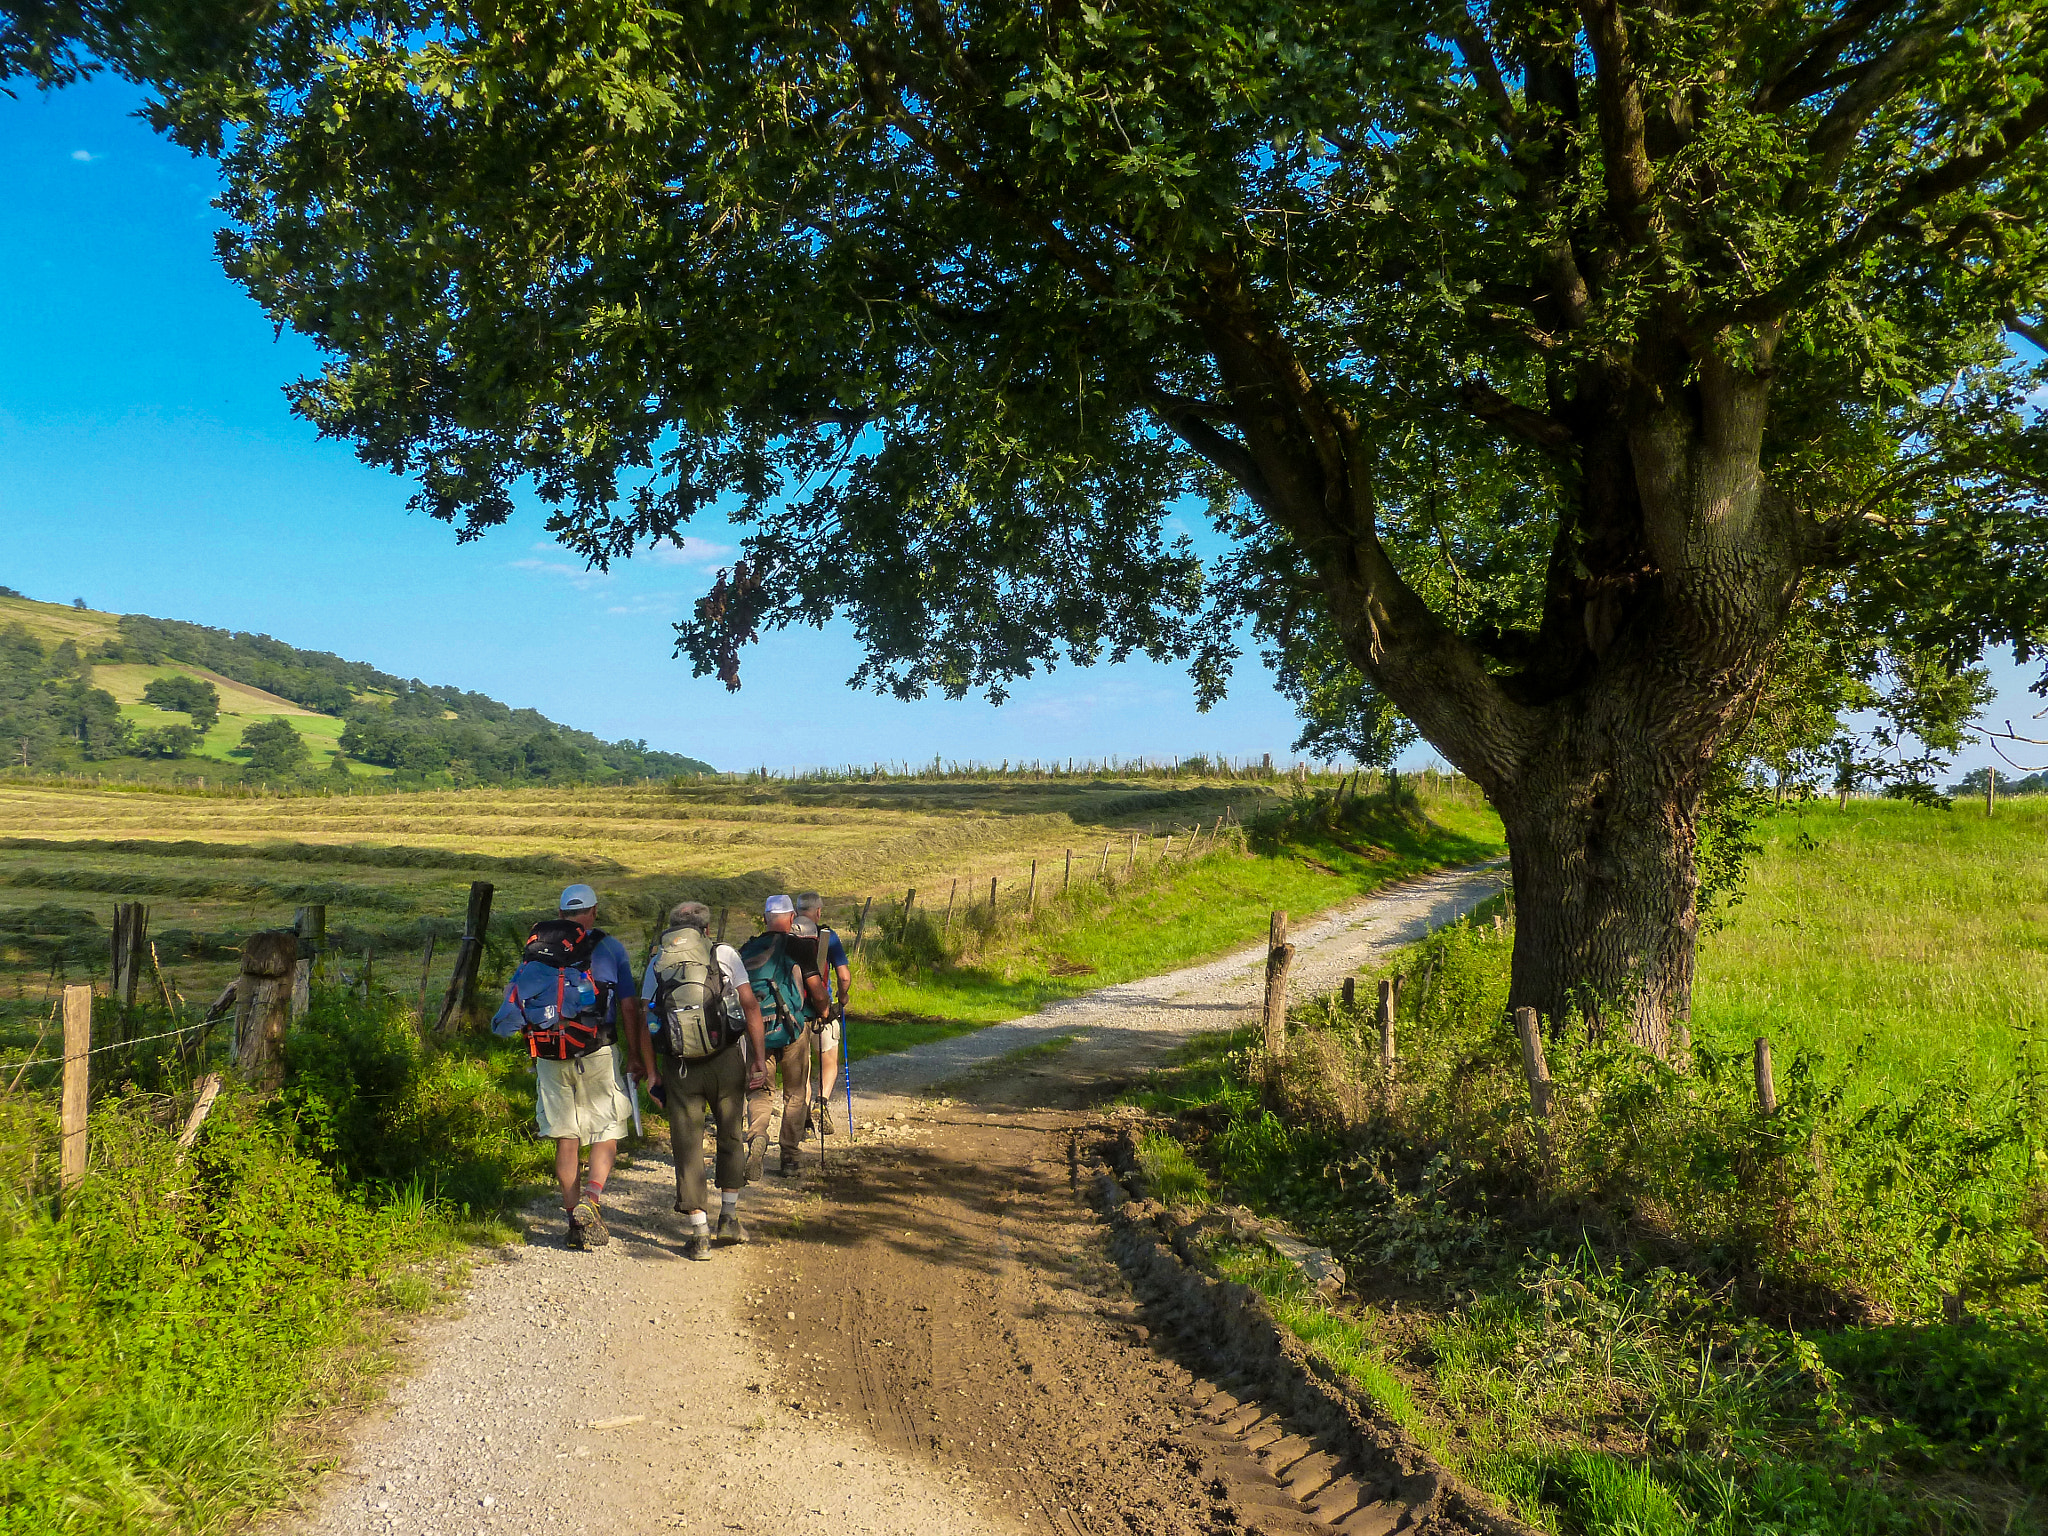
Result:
pixel 828 1032
pixel 585 1098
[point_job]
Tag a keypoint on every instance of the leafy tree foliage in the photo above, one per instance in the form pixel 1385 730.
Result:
pixel 1558 358
pixel 274 749
pixel 167 741
pixel 194 696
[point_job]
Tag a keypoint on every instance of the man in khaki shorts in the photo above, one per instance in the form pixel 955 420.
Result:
pixel 586 1101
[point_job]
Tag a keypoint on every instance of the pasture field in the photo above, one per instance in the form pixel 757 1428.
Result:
pixel 1918 935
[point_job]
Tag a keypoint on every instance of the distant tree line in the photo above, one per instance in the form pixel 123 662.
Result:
pixel 394 722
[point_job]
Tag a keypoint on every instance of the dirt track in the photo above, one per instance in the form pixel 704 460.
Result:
pixel 964 1354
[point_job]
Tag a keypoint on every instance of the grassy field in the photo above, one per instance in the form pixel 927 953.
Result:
pixel 391 869
pixel 1922 932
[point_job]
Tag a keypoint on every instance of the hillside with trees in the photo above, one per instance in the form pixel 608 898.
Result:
pixel 297 715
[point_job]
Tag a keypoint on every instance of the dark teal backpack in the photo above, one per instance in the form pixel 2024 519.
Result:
pixel 771 972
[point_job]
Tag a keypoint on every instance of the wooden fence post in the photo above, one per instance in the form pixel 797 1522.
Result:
pixel 263 1004
pixel 1534 1067
pixel 310 924
pixel 130 944
pixel 426 971
pixel 909 901
pixel 460 999
pixel 1350 993
pixel 1166 852
pixel 1068 878
pixel 209 1090
pixel 1031 895
pixel 1102 874
pixel 77 1082
pixel 991 898
pixel 951 896
pixel 724 912
pixel 1279 956
pixel 1131 858
pixel 1766 1084
pixel 1387 1029
pixel 1990 791
pixel 860 929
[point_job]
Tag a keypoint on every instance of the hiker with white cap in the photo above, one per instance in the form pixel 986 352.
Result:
pixel 571 1021
pixel 708 1032
pixel 772 973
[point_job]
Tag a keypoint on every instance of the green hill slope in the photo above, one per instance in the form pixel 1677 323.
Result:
pixel 76 691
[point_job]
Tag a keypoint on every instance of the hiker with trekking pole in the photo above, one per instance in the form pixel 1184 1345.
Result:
pixel 711 1049
pixel 824 963
pixel 570 994
pixel 773 974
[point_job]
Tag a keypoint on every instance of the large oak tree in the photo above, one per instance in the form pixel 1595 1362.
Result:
pixel 1549 359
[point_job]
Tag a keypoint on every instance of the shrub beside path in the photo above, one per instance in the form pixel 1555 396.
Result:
pixel 929 1339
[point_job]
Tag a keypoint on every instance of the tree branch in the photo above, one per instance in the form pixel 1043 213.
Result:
pixel 1626 152
pixel 1929 186
pixel 1479 59
pixel 1806 73
pixel 2028 329
pixel 1870 87
pixel 1497 410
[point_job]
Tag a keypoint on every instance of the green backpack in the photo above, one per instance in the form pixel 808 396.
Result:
pixel 773 976
pixel 695 1012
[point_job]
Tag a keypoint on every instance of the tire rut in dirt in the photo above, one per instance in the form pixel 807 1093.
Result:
pixel 960 1303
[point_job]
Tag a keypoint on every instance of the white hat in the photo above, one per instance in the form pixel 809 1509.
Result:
pixel 578 898
pixel 779 904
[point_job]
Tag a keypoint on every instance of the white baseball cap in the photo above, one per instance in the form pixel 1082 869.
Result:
pixel 578 898
pixel 779 904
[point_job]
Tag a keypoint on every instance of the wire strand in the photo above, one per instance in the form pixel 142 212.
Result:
pixel 118 1045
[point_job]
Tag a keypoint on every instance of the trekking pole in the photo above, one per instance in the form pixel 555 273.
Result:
pixel 846 1066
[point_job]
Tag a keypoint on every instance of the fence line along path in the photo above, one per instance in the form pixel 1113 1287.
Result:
pixel 1129 1026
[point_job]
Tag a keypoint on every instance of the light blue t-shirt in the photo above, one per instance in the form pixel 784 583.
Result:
pixel 611 965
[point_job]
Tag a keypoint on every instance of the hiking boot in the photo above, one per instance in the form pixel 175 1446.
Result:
pixel 757 1153
pixel 698 1244
pixel 788 1167
pixel 729 1228
pixel 586 1216
pixel 821 1111
pixel 573 1237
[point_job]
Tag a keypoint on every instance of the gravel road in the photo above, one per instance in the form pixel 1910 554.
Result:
pixel 625 1389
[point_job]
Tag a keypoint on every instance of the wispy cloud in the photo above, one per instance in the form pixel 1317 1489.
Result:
pixel 85 156
pixel 576 576
pixel 692 551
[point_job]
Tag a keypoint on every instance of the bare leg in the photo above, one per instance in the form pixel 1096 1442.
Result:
pixel 602 1154
pixel 566 1159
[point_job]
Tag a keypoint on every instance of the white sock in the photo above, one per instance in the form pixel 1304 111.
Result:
pixel 697 1219
pixel 728 1201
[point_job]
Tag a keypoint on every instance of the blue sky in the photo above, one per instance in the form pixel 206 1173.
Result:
pixel 149 465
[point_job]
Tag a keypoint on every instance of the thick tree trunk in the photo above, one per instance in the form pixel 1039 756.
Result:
pixel 1601 828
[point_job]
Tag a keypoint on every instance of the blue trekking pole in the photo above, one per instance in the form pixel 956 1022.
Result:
pixel 846 1066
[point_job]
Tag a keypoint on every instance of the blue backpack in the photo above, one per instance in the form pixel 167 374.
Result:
pixel 551 998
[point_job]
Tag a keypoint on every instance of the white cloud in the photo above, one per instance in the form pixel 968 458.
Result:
pixel 577 576
pixel 692 551
pixel 85 156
